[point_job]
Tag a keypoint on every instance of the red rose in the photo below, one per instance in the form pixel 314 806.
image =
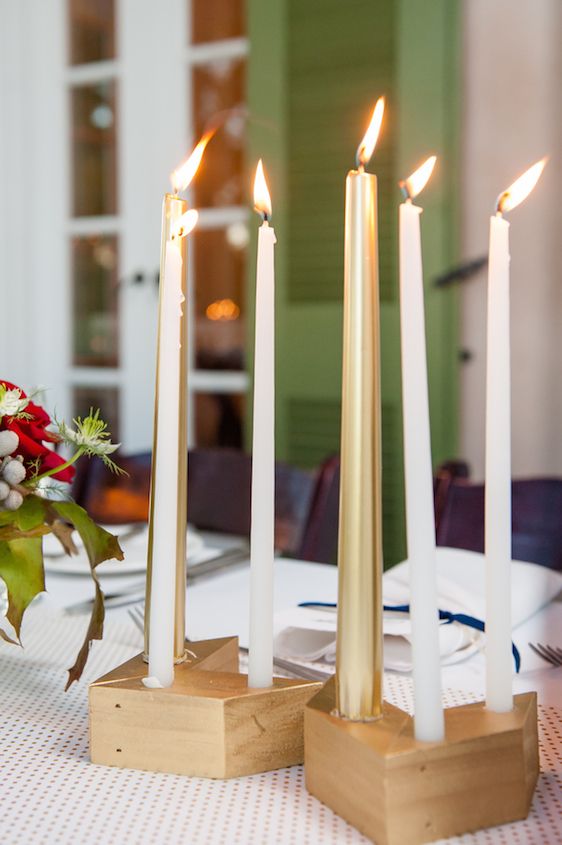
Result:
pixel 33 434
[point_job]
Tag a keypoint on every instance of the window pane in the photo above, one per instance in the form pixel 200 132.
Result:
pixel 219 419
pixel 94 273
pixel 94 149
pixel 92 31
pixel 212 20
pixel 220 272
pixel 216 87
pixel 104 398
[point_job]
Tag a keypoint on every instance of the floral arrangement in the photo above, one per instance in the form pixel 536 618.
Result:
pixel 34 501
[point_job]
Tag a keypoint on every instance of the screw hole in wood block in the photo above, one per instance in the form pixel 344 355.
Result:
pixel 207 724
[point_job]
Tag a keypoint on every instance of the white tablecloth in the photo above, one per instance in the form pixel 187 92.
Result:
pixel 51 793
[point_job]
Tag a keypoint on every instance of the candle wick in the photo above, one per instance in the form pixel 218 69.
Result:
pixel 499 203
pixel 403 185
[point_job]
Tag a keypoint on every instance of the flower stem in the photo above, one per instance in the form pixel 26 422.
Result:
pixel 56 470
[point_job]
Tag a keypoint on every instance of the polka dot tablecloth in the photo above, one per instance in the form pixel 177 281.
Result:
pixel 51 793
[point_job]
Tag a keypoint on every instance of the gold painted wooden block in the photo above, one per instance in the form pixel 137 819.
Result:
pixel 398 791
pixel 207 724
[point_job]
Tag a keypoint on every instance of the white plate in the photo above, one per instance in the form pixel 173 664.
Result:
pixel 134 548
pixel 52 547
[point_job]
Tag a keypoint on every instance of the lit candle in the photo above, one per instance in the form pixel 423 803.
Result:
pixel 499 694
pixel 166 574
pixel 260 653
pixel 420 519
pixel 359 632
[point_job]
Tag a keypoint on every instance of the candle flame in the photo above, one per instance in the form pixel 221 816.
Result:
pixel 415 183
pixel 262 199
pixel 366 147
pixel 185 224
pixel 521 188
pixel 183 175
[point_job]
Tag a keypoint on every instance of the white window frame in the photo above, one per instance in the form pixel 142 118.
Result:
pixel 36 222
pixel 218 217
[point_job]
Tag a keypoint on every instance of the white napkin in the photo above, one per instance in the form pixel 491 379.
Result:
pixel 308 634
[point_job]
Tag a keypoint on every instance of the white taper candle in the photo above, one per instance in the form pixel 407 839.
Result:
pixel 260 655
pixel 499 696
pixel 499 661
pixel 420 520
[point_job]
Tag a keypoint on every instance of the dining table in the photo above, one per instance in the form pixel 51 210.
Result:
pixel 52 793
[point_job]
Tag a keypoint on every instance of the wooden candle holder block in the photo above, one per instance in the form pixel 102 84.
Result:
pixel 398 791
pixel 207 724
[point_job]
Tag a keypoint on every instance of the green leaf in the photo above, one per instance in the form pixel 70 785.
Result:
pixel 100 545
pixel 94 632
pixel 6 638
pixel 63 532
pixel 21 568
pixel 31 513
pixel 12 532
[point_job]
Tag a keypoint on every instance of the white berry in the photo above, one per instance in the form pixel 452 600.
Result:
pixel 4 490
pixel 14 472
pixel 13 501
pixel 9 442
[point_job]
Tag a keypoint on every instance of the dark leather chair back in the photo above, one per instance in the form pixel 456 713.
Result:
pixel 115 499
pixel 536 519
pixel 320 539
pixel 219 494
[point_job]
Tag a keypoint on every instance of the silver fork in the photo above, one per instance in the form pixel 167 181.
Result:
pixel 294 669
pixel 552 654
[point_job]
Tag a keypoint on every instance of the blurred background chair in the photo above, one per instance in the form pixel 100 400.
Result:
pixel 219 484
pixel 444 476
pixel 114 499
pixel 536 519
pixel 320 538
pixel 459 515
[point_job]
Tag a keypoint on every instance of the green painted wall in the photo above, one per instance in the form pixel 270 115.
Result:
pixel 315 72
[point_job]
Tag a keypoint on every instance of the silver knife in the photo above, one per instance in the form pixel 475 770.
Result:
pixel 137 592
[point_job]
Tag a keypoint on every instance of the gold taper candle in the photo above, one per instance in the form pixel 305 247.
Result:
pixel 173 208
pixel 359 632
pixel 177 222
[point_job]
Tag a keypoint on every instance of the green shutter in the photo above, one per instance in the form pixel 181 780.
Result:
pixel 340 59
pixel 316 70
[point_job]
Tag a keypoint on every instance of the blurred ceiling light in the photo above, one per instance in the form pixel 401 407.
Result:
pixel 237 235
pixel 221 68
pixel 236 123
pixel 104 254
pixel 222 309
pixel 102 116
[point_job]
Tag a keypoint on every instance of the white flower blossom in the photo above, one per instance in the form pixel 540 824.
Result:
pixel 12 402
pixel 91 436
